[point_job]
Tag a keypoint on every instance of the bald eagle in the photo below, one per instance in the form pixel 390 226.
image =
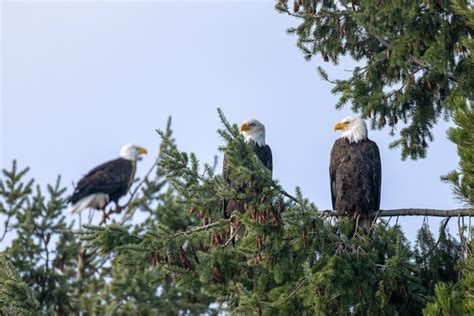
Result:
pixel 355 171
pixel 254 133
pixel 107 182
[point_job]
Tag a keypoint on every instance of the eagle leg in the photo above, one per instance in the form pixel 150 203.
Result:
pixel 105 216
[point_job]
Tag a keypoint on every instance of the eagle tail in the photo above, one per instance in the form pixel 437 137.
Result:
pixel 96 201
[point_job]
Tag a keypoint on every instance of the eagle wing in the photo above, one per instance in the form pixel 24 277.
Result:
pixel 377 173
pixel 265 155
pixel 335 160
pixel 112 177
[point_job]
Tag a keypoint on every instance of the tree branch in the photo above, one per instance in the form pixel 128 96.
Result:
pixel 386 44
pixel 200 228
pixel 462 212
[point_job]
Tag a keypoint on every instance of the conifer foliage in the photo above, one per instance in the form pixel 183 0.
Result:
pixel 413 58
pixel 46 269
pixel 179 258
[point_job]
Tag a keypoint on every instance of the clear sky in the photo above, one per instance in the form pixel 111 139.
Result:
pixel 79 79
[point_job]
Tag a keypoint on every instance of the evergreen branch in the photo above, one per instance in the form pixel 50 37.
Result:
pixel 142 181
pixel 224 119
pixel 386 44
pixel 422 64
pixel 7 222
pixel 129 213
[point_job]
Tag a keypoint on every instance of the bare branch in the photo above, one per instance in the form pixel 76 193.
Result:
pixel 288 195
pixel 200 228
pixel 462 212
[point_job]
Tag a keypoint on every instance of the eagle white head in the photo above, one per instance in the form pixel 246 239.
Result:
pixel 253 131
pixel 353 128
pixel 132 152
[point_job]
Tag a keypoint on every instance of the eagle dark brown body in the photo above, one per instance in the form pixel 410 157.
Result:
pixel 112 178
pixel 355 174
pixel 107 182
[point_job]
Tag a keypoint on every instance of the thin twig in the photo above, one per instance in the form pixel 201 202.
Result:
pixel 200 228
pixel 375 220
pixel 129 213
pixel 297 288
pixel 232 236
pixel 288 195
pixel 439 238
pixel 143 181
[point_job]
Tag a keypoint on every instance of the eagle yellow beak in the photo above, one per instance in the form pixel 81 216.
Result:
pixel 244 127
pixel 340 126
pixel 142 150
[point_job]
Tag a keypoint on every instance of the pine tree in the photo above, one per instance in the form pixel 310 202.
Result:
pixel 291 260
pixel 45 269
pixel 180 258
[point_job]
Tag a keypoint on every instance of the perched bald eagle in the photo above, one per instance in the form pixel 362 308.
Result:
pixel 254 133
pixel 355 171
pixel 107 182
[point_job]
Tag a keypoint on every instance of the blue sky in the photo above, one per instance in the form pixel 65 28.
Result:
pixel 79 79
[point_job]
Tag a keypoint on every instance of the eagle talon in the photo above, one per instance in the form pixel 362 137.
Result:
pixel 118 208
pixel 105 216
